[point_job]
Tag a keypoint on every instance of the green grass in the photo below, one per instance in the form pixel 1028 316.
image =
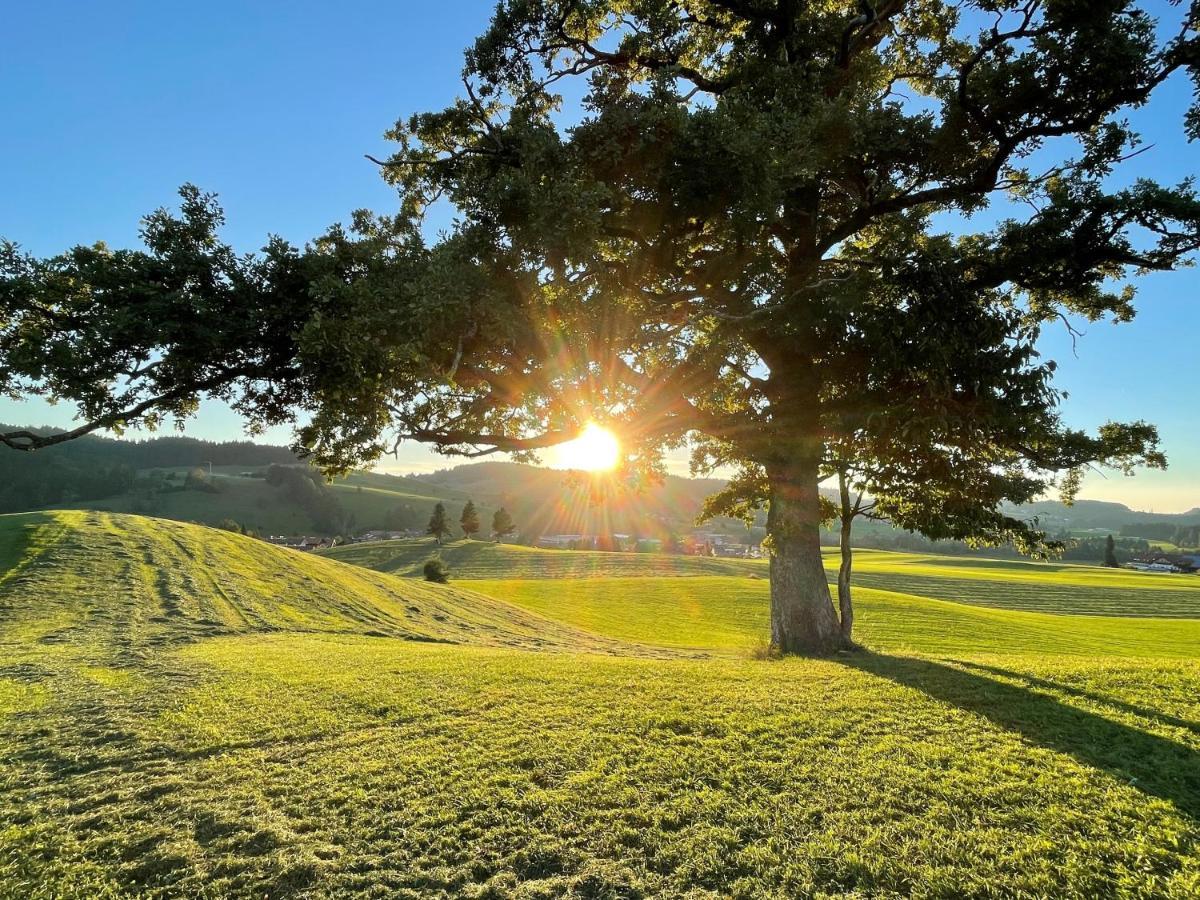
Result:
pixel 1005 584
pixel 728 614
pixel 188 713
pixel 333 764
pixel 486 559
pixel 114 584
pixel 1015 584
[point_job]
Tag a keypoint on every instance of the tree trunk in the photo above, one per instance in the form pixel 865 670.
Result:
pixel 802 615
pixel 845 603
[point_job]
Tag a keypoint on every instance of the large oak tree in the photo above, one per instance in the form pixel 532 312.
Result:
pixel 714 222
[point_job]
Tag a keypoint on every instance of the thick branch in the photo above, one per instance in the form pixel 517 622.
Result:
pixel 27 440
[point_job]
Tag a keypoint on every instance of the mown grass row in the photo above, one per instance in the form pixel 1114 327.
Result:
pixel 104 580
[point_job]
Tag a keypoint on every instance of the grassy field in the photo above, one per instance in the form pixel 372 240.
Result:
pixel 1005 584
pixel 728 614
pixel 484 559
pixel 121 586
pixel 190 713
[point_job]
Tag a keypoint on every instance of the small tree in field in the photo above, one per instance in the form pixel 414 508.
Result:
pixel 1110 552
pixel 502 524
pixel 735 240
pixel 438 526
pixel 469 520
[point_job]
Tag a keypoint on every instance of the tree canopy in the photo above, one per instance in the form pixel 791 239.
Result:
pixel 735 238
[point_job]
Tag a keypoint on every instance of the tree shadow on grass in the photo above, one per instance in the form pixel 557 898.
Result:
pixel 1103 699
pixel 1152 764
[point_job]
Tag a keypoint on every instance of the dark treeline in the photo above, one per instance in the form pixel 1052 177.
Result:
pixel 1078 549
pixel 1091 549
pixel 1186 535
pixel 41 482
pixel 166 452
pixel 95 468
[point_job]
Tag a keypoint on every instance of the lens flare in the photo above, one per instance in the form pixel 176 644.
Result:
pixel 595 450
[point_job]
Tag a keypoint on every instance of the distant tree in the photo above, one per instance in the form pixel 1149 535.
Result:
pixel 435 569
pixel 1153 531
pixel 502 524
pixel 438 526
pixel 469 520
pixel 230 525
pixel 306 487
pixel 197 480
pixel 1110 552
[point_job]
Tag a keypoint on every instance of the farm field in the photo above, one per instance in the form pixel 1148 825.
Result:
pixel 1005 584
pixel 186 712
pixel 727 614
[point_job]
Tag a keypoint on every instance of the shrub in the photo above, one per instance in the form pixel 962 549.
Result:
pixel 765 651
pixel 436 570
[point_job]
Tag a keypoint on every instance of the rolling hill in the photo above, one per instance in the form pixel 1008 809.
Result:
pixel 91 579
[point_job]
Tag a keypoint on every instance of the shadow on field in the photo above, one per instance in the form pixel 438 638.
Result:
pixel 1152 764
pixel 1090 696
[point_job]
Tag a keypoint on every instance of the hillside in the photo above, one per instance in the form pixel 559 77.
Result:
pixel 86 579
pixel 150 477
pixel 549 501
pixel 186 712
pixel 360 502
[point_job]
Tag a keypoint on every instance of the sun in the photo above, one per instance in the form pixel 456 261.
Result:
pixel 595 450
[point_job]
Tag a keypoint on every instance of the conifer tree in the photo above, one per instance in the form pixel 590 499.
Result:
pixel 438 526
pixel 469 520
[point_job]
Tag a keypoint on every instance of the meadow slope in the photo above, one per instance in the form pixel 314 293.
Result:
pixel 82 579
pixel 187 713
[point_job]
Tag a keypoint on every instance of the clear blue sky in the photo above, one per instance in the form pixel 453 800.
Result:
pixel 108 108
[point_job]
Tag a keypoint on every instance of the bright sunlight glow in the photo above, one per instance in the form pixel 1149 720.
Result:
pixel 595 450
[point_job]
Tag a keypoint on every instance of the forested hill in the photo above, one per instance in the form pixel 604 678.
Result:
pixel 552 501
pixel 93 468
pixel 1085 514
pixel 684 496
pixel 227 483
